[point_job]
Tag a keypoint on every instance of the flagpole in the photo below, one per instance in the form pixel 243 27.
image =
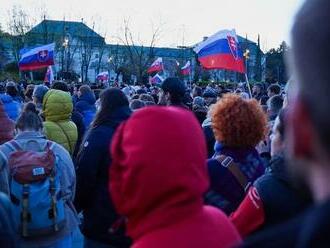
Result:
pixel 248 84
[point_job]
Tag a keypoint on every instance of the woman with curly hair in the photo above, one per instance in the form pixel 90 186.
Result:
pixel 238 126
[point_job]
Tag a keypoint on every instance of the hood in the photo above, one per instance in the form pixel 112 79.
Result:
pixel 57 106
pixel 6 98
pixel 88 97
pixel 158 172
pixel 119 115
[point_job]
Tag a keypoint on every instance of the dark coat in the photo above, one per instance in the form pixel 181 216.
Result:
pixel 78 119
pixel 92 196
pixel 7 126
pixel 309 229
pixel 225 191
pixel 281 200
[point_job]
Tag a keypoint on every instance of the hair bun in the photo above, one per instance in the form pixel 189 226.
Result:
pixel 30 107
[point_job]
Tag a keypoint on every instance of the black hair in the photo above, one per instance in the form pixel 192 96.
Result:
pixel 29 118
pixel 176 88
pixel 275 103
pixel 60 86
pixel 110 100
pixel 275 88
pixel 12 90
pixel 137 104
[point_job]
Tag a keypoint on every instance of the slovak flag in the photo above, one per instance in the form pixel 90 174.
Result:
pixel 37 57
pixel 186 70
pixel 221 51
pixel 49 77
pixel 156 66
pixel 156 79
pixel 103 76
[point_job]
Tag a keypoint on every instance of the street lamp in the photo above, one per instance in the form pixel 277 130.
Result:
pixel 65 45
pixel 246 55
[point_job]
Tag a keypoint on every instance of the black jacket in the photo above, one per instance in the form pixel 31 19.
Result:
pixel 77 118
pixel 281 199
pixel 92 196
pixel 310 229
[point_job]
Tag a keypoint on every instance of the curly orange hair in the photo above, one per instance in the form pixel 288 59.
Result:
pixel 237 122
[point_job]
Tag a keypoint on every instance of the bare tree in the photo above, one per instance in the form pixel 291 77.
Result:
pixel 101 50
pixel 19 23
pixel 138 55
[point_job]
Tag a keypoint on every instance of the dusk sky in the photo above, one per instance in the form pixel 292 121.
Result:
pixel 182 22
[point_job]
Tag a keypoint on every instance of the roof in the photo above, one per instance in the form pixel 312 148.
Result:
pixel 158 51
pixel 60 27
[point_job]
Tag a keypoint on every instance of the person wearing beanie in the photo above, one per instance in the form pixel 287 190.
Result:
pixel 85 104
pixel 38 95
pixel 210 96
pixel 199 109
pixel 7 126
pixel 12 90
pixel 173 92
pixel 158 178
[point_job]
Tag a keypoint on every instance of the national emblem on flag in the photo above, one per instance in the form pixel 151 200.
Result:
pixel 221 51
pixel 37 57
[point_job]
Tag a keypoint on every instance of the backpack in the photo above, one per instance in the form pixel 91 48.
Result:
pixel 34 183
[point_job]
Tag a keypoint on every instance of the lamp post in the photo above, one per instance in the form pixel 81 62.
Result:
pixel 247 56
pixel 65 48
pixel 110 61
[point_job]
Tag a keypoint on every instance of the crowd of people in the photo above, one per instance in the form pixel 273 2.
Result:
pixel 172 166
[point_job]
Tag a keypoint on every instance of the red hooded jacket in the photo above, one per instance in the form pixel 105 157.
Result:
pixel 7 126
pixel 157 179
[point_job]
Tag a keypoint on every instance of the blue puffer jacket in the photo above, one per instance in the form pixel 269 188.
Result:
pixel 11 107
pixel 86 106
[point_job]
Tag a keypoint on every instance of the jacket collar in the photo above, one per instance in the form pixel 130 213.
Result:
pixel 30 135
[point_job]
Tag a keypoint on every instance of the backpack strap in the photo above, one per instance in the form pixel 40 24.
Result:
pixel 67 137
pixel 14 145
pixel 228 162
pixel 25 215
pixel 52 213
